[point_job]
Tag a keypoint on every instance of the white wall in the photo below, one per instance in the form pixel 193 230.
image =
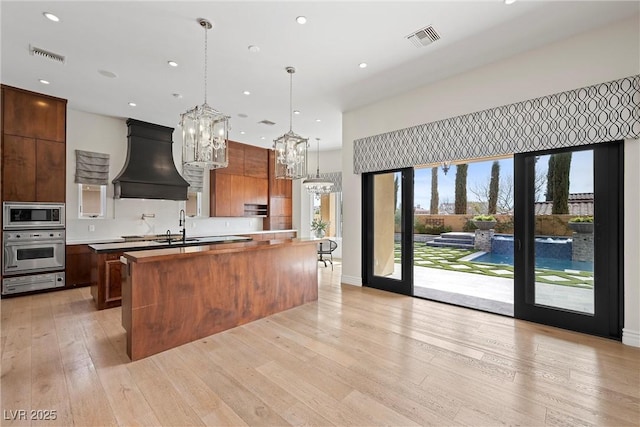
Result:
pixel 602 55
pixel 92 132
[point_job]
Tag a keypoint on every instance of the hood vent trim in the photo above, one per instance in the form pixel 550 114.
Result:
pixel 149 171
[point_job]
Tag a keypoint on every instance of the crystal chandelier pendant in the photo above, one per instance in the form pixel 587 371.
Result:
pixel 205 130
pixel 290 148
pixel 318 185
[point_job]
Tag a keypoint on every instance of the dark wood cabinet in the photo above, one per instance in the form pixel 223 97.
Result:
pixel 256 162
pixel 50 171
pixel 33 147
pixel 279 212
pixel 18 168
pixel 33 115
pixel 113 281
pixel 78 266
pixel 106 279
pixel 242 189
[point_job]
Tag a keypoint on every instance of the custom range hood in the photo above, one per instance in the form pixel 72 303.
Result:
pixel 149 171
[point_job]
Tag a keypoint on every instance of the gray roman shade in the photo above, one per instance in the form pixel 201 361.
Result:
pixel 92 168
pixel 194 176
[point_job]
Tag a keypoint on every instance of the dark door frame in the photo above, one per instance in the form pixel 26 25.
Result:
pixel 608 319
pixel 405 285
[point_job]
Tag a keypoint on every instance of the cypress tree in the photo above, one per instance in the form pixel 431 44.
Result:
pixel 461 189
pixel 494 187
pixel 562 166
pixel 550 171
pixel 435 202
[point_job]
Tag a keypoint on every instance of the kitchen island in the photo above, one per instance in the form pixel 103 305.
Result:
pixel 174 296
pixel 106 283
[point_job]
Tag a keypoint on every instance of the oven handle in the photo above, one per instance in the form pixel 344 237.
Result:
pixel 8 259
pixel 35 242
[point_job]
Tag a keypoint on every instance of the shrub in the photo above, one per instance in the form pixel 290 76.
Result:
pixel 505 226
pixel 484 218
pixel 582 219
pixel 469 226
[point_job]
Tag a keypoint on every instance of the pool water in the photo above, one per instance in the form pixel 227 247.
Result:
pixel 541 262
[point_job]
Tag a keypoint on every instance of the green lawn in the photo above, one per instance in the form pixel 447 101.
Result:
pixel 449 259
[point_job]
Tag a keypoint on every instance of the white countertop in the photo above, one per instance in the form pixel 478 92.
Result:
pixel 119 239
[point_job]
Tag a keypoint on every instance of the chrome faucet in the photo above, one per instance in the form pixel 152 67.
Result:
pixel 183 224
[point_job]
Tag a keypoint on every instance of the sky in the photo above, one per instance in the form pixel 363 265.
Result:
pixel 580 177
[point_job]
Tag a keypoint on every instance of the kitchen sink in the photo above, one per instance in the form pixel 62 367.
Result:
pixel 175 240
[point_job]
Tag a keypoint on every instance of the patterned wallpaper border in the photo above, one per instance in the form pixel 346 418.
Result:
pixel 600 113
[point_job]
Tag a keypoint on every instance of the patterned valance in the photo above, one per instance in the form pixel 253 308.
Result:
pixel 336 178
pixel 194 176
pixel 92 168
pixel 594 114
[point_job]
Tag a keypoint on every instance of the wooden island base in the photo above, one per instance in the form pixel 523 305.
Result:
pixel 174 296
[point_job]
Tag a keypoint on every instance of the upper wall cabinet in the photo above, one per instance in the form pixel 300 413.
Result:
pixel 33 115
pixel 242 188
pixel 33 147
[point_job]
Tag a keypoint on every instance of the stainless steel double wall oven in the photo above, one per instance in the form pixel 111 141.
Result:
pixel 33 243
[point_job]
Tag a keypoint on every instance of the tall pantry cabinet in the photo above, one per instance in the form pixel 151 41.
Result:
pixel 33 146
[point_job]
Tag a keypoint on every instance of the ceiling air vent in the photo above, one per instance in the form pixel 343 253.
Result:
pixel 266 122
pixel 424 36
pixel 36 51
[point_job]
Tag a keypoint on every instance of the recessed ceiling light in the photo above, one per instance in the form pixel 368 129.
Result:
pixel 509 1
pixel 51 17
pixel 44 82
pixel 246 92
pixel 132 104
pixel 243 115
pixel 362 65
pixel 108 74
pixel 176 95
pixel 254 48
pixel 262 137
pixel 296 112
pixel 318 120
pixel 301 20
pixel 172 63
pixel 242 132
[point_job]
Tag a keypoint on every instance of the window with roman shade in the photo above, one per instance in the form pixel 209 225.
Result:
pixel 92 168
pixel 92 177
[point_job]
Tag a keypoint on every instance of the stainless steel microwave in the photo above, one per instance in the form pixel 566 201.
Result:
pixel 24 215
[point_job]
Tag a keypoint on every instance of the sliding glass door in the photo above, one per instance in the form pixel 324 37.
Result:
pixel 568 234
pixel 387 230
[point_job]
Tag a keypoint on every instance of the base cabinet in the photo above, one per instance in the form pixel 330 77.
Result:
pixel 78 266
pixel 106 279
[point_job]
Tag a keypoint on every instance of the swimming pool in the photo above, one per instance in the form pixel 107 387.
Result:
pixel 545 246
pixel 541 262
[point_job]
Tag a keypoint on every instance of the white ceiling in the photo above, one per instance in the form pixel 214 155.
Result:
pixel 135 39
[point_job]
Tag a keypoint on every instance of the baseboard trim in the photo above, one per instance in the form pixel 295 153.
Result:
pixel 351 280
pixel 630 337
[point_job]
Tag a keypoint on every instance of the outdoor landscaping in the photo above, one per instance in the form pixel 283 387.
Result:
pixel 454 259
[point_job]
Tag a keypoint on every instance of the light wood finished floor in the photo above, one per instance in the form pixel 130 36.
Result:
pixel 356 357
